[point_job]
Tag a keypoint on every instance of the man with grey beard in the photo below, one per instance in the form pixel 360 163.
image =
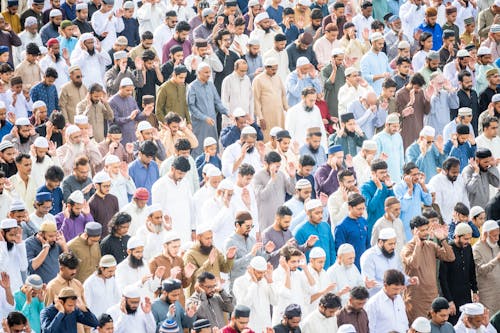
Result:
pixel 154 231
pixel 487 259
pixel 77 144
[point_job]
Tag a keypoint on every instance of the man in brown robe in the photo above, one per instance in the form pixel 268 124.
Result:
pixel 419 259
pixel 412 105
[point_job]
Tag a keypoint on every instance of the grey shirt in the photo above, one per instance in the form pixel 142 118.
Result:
pixel 279 238
pixel 477 185
pixel 70 184
pixel 213 308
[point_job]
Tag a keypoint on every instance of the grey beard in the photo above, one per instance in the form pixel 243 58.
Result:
pixel 492 245
pixel 78 148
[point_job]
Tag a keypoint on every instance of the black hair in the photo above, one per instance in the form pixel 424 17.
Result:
pixel 54 173
pixel 283 211
pixel 401 60
pixel 430 213
pixel 272 157
pixel 246 170
pixel 417 79
pixel 423 37
pixel 171 13
pixel 376 24
pixel 148 55
pixel 288 11
pixel 114 129
pixel 182 144
pixel 147 35
pixel 355 199
pixel 389 83
pixel 21 157
pixel 338 5
pixel 205 276
pixel 359 293
pixel 463 74
pixel 418 221
pixel 16 80
pixel 182 26
pixel 51 72
pixel 69 260
pixel 379 164
pixel 117 220
pixel 307 160
pixel 57 119
pixel 330 301
pixel 408 167
pixel 451 162
pixel 148 148
pixel 488 120
pixel 394 277
pixel 220 34
pixel 308 91
pixel 344 173
pixel 172 117
pixel 16 318
pixel 181 163
pixel 104 319
pixel 95 87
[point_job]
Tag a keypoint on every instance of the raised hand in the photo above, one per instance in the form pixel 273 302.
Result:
pixel 58 304
pixel 231 252
pixel 189 269
pixel 174 272
pixel 146 305
pixel 5 280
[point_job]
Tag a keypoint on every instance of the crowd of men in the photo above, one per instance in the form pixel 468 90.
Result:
pixel 247 166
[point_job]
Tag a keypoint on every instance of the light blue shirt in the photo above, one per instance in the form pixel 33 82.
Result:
pixel 68 44
pixel 299 216
pixel 451 128
pixel 411 205
pixel 427 163
pixel 374 64
pixel 392 145
pixel 440 110
pixel 294 86
pixel 366 119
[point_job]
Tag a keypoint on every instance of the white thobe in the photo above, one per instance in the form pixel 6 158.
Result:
pixel 139 216
pixel 299 292
pixel 121 188
pixel 349 94
pixel 242 41
pixel 26 38
pixel 385 314
pixel 5 308
pixel 232 153
pixel 282 57
pixel 362 169
pixel 176 202
pixel 298 121
pixel 14 262
pixel 94 66
pixel 138 322
pixel 126 275
pixel 266 39
pixel 411 17
pixel 184 13
pixel 448 194
pixel 101 294
pixel 322 281
pixel 460 328
pixel 241 206
pixel 316 322
pixel 101 23
pixel 22 105
pixel 5 200
pixel 161 36
pixel 153 242
pixel 39 169
pixel 258 296
pixel 207 192
pixel 37 221
pixel 361 22
pixel 62 71
pixel 492 144
pixel 236 92
pixel 221 218
pixel 151 16
pixel 345 276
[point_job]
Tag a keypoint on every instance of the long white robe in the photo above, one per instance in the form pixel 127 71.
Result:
pixel 126 275
pixel 139 216
pixel 138 322
pixel 151 16
pixel 315 322
pixel 94 66
pixel 153 242
pixel 101 23
pixel 298 121
pixel 101 294
pixel 13 262
pixel 345 276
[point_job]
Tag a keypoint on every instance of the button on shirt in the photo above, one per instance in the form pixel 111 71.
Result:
pixel 385 314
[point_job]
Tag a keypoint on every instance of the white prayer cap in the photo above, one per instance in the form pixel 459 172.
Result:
pixel 101 177
pixel 306 3
pixel 421 325
pixel 258 263
pixel 387 233
pixel 345 248
pixel 39 104
pixel 86 36
pixel 171 236
pixel 213 172
pixel 111 159
pixel 462 229
pixel 369 145
pixel 302 61
pixel 77 197
pixel 144 125
pixel 317 252
pixel 134 242
pixel 41 142
pixel 483 50
pixel 72 129
pixel 226 184
pixel 270 61
pixel 126 82
pixel 239 112
pixel 30 20
pixel 132 291
pixel 54 13
pixel 376 36
pixel 311 204
pixel 209 141
pixel 202 228
pixel 472 309
pixel 81 119
pixel 428 131
pixel 463 53
pixel 350 70
pixel 274 131
pixel 260 17
pixel 17 205
pixel 107 260
pixel 475 211
pixel 8 224
pixel 346 328
pixel 23 121
pixel 403 45
pixel 337 51
pixel 81 6
pixel 302 183
pixel 465 111
pixel 154 208
pixel 490 225
pixel 248 130
pixel 5 144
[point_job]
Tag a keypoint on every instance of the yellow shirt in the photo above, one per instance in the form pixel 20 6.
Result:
pixel 13 20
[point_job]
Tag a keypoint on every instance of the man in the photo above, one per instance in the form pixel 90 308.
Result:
pixel 265 31
pixel 232 133
pixel 176 127
pixel 333 75
pixel 180 38
pixel 86 248
pixel 479 175
pixel 313 147
pixel 68 264
pixel 203 103
pixel 493 79
pixel 81 19
pixel 137 209
pixel 363 160
pixel 420 249
pixel 427 152
pixel 375 64
pixel 443 96
pixel 489 138
pixel 164 32
pixel 131 313
pixel 269 97
pixel 107 23
pixel 100 289
pixel 116 242
pixel 72 93
pixel 353 312
pixel 146 132
pixel 323 319
pixel 337 201
pixel 92 59
pixel 467 97
pixel 236 90
pixel 102 204
pixel 79 179
pixel 430 25
pixel 22 137
pixel 255 290
pixel 239 320
pixel 486 257
pixel 43 204
pixel 72 221
pixel 64 314
pixel 390 219
pixel 29 70
pixel 154 231
pixel 303 76
pixel 303 192
pixel 57 60
pixel 13 251
pixel 94 105
pixel 22 183
pixel 386 309
pixel 474 318
pixel 29 35
pixel 278 52
pixel 290 320
pixel 120 70
pixel 314 226
pixel 440 311
pixel 144 170
pixel 326 176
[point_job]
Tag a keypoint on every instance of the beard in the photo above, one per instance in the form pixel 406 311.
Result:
pixel 23 139
pixel 10 245
pixel 493 246
pixel 313 150
pixel 72 214
pixel 157 228
pixel 205 250
pixel 451 178
pixel 250 150
pixel 210 26
pixel 39 159
pixel 129 309
pixel 483 169
pixel 57 56
pixel 267 30
pixel 91 51
pixel 78 148
pixel 433 69
pixel 78 84
pixel 134 262
pixel 386 253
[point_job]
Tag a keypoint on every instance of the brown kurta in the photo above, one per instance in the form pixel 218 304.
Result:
pixel 70 96
pixel 412 124
pixel 162 260
pixel 269 101
pixel 97 113
pixel 30 73
pixel 88 256
pixel 488 275
pixel 420 261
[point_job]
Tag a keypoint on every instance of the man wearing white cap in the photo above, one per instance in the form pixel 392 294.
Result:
pixel 464 117
pixel 120 70
pixel 487 259
pixel 22 136
pixel 304 76
pixel 303 192
pixel 122 185
pixel 91 58
pixel 30 34
pixel 475 319
pixel 363 159
pixel 41 160
pixel 462 63
pixel 71 222
pixel 264 30
pixel 322 284
pixel 255 290
pixel 103 205
pixel 427 151
pixel 12 252
pixel 51 29
pixel 355 86
pixel 100 289
pixel 134 271
pixel 323 316
pixel 154 231
pixel 269 97
pixel 133 312
pixel 374 64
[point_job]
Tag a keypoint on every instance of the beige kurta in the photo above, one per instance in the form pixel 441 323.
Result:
pixel 487 275
pixel 420 261
pixel 30 73
pixel 97 113
pixel 269 101
pixel 70 96
pixel 89 257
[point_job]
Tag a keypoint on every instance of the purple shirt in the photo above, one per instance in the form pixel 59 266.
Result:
pixel 72 227
pixel 186 49
pixel 326 179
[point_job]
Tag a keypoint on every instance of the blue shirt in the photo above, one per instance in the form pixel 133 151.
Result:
pixel 67 43
pixel 291 33
pixel 439 116
pixel 411 205
pixel 354 232
pixel 375 199
pixel 437 34
pixel 144 176
pixel 427 163
pixel 5 129
pixel 453 225
pixel 463 152
pixel 319 156
pixel 200 163
pixel 294 86
pixel 374 64
pixel 275 14
pixel 54 321
pixel 57 199
pixel 231 134
pixel 47 94
pixel 323 8
pixel 30 311
pixel 392 145
pixel 50 266
pixel 325 239
pixel 366 119
pixel 69 11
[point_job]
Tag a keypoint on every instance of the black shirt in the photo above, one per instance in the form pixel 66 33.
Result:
pixel 116 246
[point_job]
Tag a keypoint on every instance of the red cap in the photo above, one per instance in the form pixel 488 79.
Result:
pixel 141 193
pixel 52 41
